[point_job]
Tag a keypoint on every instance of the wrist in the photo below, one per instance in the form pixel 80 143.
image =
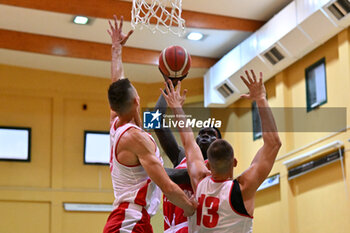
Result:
pixel 262 98
pixel 177 109
pixel 261 101
pixel 117 48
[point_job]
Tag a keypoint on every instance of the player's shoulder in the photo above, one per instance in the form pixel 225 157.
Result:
pixel 133 133
pixel 135 138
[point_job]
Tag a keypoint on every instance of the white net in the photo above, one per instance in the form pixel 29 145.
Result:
pixel 158 15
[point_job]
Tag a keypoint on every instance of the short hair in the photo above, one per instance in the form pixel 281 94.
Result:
pixel 220 155
pixel 120 96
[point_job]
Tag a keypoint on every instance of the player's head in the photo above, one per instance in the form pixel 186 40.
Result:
pixel 205 137
pixel 123 97
pixel 221 157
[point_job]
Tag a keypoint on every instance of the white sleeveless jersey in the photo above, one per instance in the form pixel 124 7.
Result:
pixel 215 212
pixel 131 183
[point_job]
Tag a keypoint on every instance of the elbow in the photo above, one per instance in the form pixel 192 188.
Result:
pixel 278 143
pixel 275 143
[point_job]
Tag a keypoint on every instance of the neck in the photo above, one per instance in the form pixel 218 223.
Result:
pixel 125 119
pixel 227 176
pixel 204 153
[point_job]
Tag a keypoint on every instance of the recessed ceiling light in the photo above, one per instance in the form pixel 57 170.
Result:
pixel 195 36
pixel 80 20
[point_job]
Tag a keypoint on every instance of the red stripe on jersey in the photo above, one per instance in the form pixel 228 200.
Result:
pixel 244 215
pixel 141 194
pixel 116 218
pixel 111 160
pixel 144 225
pixel 115 124
pixel 183 162
pixel 116 148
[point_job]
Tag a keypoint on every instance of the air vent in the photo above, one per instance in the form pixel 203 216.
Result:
pixel 312 165
pixel 225 90
pixel 274 56
pixel 340 8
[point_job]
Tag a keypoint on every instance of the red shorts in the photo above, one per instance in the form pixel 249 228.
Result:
pixel 128 218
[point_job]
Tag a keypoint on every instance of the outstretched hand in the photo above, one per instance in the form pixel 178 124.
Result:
pixel 172 96
pixel 256 87
pixel 116 32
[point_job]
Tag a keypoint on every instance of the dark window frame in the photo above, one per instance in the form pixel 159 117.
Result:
pixel 309 106
pixel 29 143
pixel 256 134
pixel 84 153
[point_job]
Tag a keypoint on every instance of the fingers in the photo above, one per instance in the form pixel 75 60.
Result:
pixel 109 32
pixel 171 86
pixel 126 37
pixel 248 76
pixel 253 74
pixel 129 33
pixel 245 96
pixel 245 81
pixel 110 24
pixel 184 94
pixel 167 88
pixel 163 93
pixel 178 88
pixel 115 22
pixel 261 77
pixel 121 23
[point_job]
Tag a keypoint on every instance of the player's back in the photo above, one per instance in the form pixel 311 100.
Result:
pixel 216 211
pixel 131 183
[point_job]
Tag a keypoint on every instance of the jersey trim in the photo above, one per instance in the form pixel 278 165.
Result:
pixel 114 124
pixel 144 224
pixel 116 218
pixel 141 194
pixel 155 144
pixel 219 181
pixel 116 148
pixel 236 194
pixel 199 183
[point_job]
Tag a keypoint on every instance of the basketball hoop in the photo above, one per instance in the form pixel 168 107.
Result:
pixel 158 15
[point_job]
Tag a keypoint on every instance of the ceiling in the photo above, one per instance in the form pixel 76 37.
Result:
pixel 40 35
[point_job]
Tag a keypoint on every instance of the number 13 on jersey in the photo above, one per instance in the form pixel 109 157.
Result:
pixel 207 208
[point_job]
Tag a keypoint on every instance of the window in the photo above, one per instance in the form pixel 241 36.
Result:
pixel 96 148
pixel 257 132
pixel 15 143
pixel 316 87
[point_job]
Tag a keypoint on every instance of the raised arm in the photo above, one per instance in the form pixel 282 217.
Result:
pixel 118 40
pixel 263 161
pixel 166 137
pixel 143 147
pixel 195 162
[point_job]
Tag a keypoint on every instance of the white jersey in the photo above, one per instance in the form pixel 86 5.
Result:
pixel 215 212
pixel 131 183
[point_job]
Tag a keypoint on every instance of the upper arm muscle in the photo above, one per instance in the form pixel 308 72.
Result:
pixel 195 164
pixel 258 171
pixel 143 147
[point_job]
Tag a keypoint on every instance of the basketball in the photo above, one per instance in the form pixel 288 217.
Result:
pixel 174 62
